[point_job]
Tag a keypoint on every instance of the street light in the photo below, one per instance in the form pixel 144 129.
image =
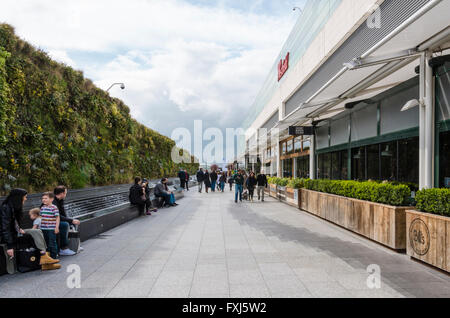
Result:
pixel 122 86
pixel 297 8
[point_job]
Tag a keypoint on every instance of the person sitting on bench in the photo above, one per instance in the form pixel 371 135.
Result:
pixel 60 193
pixel 162 191
pixel 10 217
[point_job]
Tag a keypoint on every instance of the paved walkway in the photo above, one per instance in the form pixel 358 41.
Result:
pixel 211 247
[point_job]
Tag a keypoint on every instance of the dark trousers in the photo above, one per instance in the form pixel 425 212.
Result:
pixel 182 183
pixel 166 198
pixel 187 185
pixel 50 239
pixel 63 235
pixel 144 206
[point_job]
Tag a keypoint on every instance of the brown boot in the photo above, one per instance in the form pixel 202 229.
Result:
pixel 47 260
pixel 50 267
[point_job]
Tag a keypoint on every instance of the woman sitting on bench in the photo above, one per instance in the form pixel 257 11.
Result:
pixel 10 217
pixel 162 191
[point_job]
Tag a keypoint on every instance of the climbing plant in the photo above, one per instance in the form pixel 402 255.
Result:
pixel 57 127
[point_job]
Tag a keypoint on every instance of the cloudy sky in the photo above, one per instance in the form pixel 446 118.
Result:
pixel 181 60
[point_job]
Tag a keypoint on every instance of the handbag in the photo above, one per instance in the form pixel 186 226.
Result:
pixel 28 260
pixel 74 239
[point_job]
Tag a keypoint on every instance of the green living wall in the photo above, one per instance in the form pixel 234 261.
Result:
pixel 56 127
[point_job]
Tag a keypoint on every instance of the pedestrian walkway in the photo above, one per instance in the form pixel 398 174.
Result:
pixel 211 247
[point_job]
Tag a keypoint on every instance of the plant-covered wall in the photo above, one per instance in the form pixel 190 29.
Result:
pixel 56 127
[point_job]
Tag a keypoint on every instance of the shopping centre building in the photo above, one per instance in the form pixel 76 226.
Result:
pixel 370 83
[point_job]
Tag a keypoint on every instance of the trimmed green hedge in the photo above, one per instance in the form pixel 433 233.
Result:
pixel 386 193
pixel 435 201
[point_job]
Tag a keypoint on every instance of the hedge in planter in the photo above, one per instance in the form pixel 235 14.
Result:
pixel 385 193
pixel 435 201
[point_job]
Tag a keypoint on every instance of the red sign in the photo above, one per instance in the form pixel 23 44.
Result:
pixel 283 67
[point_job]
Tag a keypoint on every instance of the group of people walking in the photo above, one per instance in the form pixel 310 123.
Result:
pixel 214 180
pixel 245 184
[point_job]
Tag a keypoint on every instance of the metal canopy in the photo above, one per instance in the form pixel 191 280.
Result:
pixel 388 65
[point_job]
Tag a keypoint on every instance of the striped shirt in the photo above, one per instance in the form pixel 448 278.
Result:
pixel 48 217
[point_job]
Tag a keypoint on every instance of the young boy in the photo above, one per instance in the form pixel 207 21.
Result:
pixel 46 261
pixel 50 222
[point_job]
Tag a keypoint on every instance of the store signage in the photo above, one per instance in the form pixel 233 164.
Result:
pixel 301 131
pixel 283 67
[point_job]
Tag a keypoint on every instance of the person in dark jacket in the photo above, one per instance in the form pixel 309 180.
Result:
pixel 137 195
pixel 200 179
pixel 146 193
pixel 251 184
pixel 238 179
pixel 60 193
pixel 187 179
pixel 222 180
pixel 182 177
pixel 230 180
pixel 207 181
pixel 10 217
pixel 162 191
pixel 213 177
pixel 262 184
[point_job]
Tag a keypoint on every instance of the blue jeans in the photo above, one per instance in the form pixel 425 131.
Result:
pixel 222 186
pixel 238 190
pixel 64 235
pixel 213 186
pixel 50 239
pixel 168 198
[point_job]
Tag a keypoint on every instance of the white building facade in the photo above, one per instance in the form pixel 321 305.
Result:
pixel 371 79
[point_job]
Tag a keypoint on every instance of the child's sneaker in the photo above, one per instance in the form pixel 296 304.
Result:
pixel 66 252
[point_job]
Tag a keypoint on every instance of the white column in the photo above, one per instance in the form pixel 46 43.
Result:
pixel 312 158
pixel 430 125
pixel 422 182
pixel 279 168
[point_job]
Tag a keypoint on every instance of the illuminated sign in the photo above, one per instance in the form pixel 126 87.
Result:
pixel 283 67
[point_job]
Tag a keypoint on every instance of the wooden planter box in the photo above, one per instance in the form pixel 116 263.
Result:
pixel 382 223
pixel 293 197
pixel 281 193
pixel 273 191
pixel 428 238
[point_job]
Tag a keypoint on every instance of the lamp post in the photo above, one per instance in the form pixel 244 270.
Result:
pixel 297 8
pixel 122 86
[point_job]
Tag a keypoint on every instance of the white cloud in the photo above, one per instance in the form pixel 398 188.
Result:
pixel 63 57
pixel 179 61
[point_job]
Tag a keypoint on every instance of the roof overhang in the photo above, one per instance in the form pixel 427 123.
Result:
pixel 386 65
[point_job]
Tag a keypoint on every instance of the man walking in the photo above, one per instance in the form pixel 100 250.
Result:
pixel 239 183
pixel 187 179
pixel 182 177
pixel 200 178
pixel 213 177
pixel 262 183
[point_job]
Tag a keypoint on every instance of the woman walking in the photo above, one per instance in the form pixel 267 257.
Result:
pixel 207 181
pixel 251 184
pixel 222 180
pixel 230 180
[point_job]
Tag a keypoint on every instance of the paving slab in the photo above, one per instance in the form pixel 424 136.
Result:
pixel 211 247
